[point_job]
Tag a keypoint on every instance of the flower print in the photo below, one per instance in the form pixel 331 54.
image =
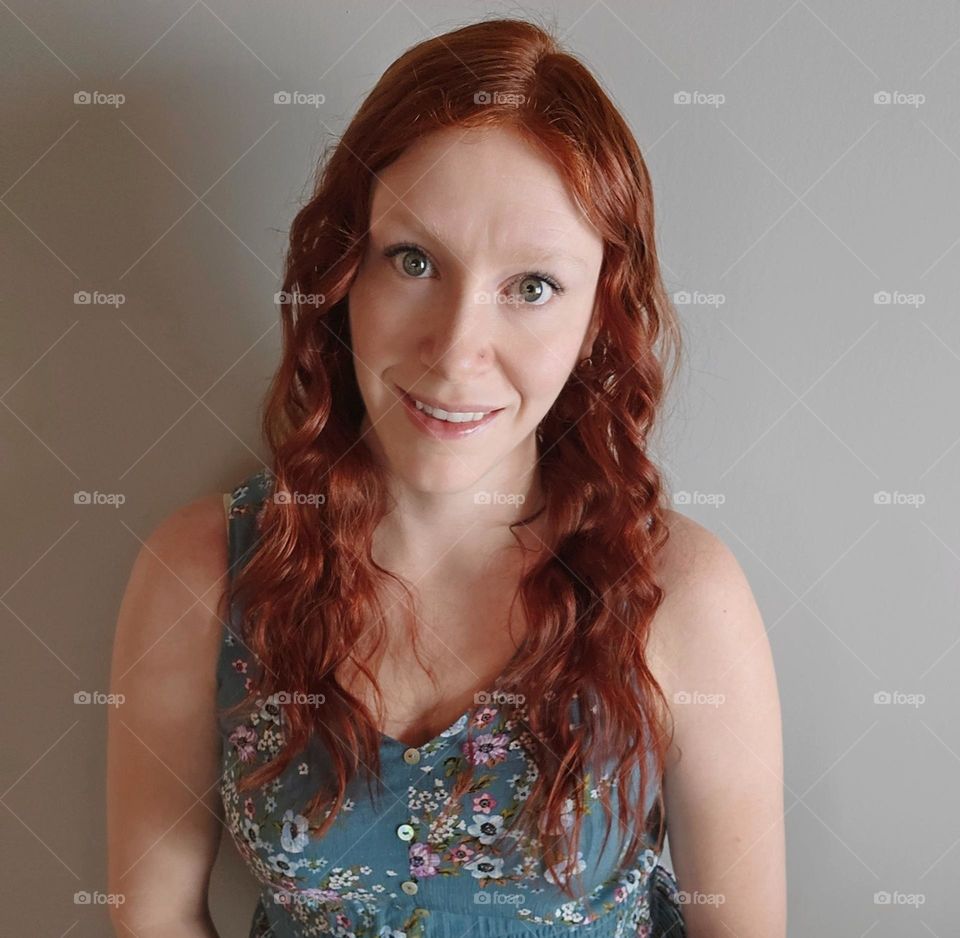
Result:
pixel 423 861
pixel 649 860
pixel 455 727
pixel 461 853
pixel 282 864
pixel 487 750
pixel 270 805
pixel 303 768
pixel 485 867
pixel 244 740
pixel 569 868
pixel 240 666
pixel 484 803
pixel 485 717
pixel 269 741
pixel 572 913
pixel 319 895
pixel 270 710
pixel 630 880
pixel 240 491
pixel 388 932
pixel 486 828
pixel 251 833
pixel 294 836
pixel 248 808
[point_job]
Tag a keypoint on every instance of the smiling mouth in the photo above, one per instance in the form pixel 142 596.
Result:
pixel 463 414
pixel 441 427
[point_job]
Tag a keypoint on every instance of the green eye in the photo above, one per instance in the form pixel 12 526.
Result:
pixel 532 290
pixel 414 261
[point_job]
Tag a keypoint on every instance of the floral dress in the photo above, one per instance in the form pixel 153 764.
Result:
pixel 416 862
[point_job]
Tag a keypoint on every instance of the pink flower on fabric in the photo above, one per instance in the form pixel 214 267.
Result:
pixel 484 803
pixel 244 740
pixel 240 666
pixel 423 861
pixel 488 749
pixel 484 717
pixel 461 853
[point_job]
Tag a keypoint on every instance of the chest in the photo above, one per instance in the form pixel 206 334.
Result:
pixel 465 640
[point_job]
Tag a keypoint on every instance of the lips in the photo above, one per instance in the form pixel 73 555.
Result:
pixel 449 408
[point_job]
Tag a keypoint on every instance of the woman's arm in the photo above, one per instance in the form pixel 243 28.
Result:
pixel 724 797
pixel 164 816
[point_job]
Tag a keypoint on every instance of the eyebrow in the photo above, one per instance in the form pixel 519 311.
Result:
pixel 523 254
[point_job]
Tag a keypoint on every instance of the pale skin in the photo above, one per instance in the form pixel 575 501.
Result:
pixel 723 797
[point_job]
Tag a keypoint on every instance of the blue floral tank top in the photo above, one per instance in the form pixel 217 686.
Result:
pixel 415 862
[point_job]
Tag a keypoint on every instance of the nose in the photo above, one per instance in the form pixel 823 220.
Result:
pixel 459 343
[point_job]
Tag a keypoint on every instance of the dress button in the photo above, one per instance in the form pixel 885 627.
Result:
pixel 405 832
pixel 411 756
pixel 409 887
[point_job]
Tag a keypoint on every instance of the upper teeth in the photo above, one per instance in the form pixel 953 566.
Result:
pixel 446 415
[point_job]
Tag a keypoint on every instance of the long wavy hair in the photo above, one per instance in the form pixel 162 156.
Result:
pixel 308 591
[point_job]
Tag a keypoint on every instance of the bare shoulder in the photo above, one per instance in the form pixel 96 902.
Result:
pixel 708 627
pixel 723 785
pixel 190 543
pixel 163 752
pixel 172 604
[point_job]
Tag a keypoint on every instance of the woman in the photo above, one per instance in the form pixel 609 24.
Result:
pixel 457 610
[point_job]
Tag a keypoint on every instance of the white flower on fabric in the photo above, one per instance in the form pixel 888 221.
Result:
pixel 570 912
pixel 294 835
pixel 485 867
pixel 486 827
pixel 570 868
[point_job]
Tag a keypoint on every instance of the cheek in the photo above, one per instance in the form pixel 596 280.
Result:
pixel 540 366
pixel 375 323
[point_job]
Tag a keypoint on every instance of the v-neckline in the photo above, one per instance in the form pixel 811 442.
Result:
pixel 386 739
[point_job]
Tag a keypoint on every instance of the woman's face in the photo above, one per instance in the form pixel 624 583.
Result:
pixel 476 292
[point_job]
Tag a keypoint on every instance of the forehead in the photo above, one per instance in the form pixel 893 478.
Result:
pixel 481 188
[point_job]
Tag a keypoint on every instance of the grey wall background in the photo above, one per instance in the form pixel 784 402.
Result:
pixel 788 212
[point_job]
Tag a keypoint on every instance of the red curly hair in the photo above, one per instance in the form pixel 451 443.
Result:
pixel 308 591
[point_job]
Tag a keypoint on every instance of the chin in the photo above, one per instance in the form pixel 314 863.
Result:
pixel 445 475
